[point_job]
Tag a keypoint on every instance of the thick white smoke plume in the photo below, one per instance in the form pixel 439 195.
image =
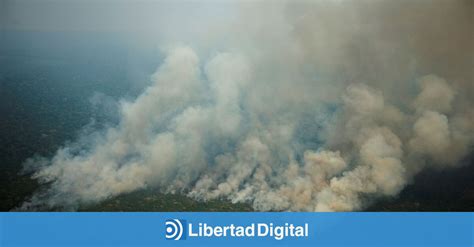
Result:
pixel 315 106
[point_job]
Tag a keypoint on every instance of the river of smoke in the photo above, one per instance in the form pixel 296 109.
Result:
pixel 236 127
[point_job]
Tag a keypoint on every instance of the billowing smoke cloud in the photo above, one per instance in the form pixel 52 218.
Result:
pixel 315 106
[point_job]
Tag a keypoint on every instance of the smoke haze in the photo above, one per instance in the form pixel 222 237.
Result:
pixel 300 106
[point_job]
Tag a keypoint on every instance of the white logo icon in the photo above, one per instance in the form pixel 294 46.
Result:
pixel 174 229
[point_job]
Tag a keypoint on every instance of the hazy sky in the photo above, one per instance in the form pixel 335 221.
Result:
pixel 107 15
pixel 152 24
